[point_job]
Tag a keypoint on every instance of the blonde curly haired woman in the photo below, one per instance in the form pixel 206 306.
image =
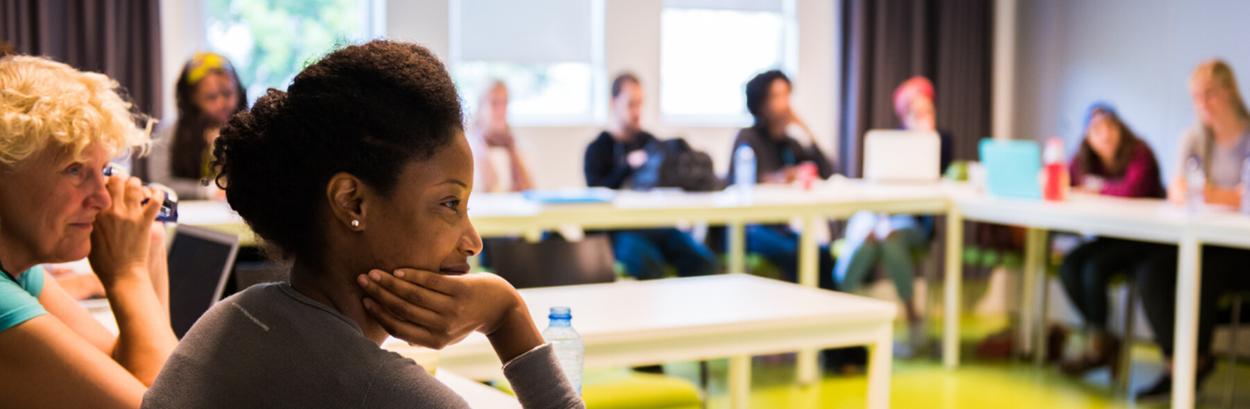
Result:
pixel 58 130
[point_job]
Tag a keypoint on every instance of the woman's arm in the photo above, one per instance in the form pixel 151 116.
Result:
pixel 434 310
pixel 603 168
pixel 1136 181
pixel 120 256
pixel 521 180
pixel 58 303
pixel 44 364
pixel 1220 196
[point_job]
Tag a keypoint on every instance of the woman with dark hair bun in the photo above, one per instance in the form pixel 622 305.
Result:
pixel 208 92
pixel 359 176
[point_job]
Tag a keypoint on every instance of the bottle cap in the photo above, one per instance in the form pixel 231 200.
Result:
pixel 1053 153
pixel 560 313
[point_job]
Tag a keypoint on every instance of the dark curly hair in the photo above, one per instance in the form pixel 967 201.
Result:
pixel 368 110
pixel 757 94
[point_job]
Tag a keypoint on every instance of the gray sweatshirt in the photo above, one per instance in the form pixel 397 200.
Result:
pixel 272 347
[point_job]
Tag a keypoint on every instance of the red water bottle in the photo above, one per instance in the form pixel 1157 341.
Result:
pixel 1055 182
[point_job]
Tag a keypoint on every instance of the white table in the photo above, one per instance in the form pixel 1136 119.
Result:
pixel 1146 220
pixel 1149 220
pixel 513 215
pixel 697 318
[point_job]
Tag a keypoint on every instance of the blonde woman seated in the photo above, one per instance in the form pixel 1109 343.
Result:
pixel 361 164
pixel 58 129
pixel 499 165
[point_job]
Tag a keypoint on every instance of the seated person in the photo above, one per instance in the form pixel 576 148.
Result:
pixel 610 161
pixel 777 157
pixel 889 241
pixel 208 92
pixel 497 162
pixel 1111 161
pixel 362 163
pixel 1220 144
pixel 59 129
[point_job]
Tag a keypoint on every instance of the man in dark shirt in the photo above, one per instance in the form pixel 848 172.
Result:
pixel 777 156
pixel 610 161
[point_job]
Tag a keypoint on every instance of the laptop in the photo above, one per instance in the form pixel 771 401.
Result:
pixel 1012 167
pixel 200 261
pixel 902 156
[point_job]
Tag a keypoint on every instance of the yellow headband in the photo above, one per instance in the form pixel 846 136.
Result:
pixel 202 63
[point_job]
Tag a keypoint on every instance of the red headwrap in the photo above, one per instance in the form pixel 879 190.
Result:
pixel 909 90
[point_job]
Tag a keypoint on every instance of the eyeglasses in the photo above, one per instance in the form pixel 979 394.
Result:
pixel 169 208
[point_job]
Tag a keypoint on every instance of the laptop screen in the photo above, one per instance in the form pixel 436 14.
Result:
pixel 198 264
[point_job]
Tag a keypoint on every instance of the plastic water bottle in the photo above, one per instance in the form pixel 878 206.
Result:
pixel 570 350
pixel 1245 186
pixel 1195 183
pixel 744 172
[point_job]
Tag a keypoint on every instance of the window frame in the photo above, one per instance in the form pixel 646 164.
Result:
pixel 789 64
pixel 598 74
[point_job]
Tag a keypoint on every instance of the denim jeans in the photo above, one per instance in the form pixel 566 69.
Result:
pixel 645 253
pixel 780 246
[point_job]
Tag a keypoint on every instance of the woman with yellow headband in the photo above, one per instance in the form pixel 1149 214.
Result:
pixel 207 94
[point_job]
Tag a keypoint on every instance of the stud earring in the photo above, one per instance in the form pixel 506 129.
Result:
pixel 355 223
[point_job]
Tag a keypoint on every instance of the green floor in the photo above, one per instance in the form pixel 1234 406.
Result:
pixel 923 383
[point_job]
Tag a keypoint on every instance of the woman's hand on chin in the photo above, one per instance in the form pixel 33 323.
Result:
pixel 434 310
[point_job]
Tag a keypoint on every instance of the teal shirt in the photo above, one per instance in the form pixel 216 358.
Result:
pixel 19 300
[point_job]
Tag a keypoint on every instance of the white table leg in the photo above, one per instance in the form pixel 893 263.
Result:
pixel 737 247
pixel 1033 273
pixel 1042 266
pixel 808 366
pixel 954 279
pixel 809 257
pixel 1185 354
pixel 879 365
pixel 809 276
pixel 740 381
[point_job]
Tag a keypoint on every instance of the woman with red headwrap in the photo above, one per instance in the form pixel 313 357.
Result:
pixel 874 239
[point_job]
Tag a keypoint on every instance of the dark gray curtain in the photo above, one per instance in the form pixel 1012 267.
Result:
pixel 120 38
pixel 887 41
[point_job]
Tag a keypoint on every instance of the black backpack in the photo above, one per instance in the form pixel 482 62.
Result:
pixel 673 163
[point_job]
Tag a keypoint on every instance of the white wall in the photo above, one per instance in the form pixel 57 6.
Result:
pixel 1136 54
pixel 632 43
pixel 182 35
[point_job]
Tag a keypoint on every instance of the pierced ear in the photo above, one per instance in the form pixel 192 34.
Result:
pixel 346 196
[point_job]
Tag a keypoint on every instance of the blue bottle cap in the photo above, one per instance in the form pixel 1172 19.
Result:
pixel 560 313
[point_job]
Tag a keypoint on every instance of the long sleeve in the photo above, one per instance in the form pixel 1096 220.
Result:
pixel 1076 173
pixel 539 382
pixel 1141 177
pixel 823 165
pixel 603 167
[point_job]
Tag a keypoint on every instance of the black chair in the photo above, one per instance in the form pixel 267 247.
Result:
pixel 553 262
